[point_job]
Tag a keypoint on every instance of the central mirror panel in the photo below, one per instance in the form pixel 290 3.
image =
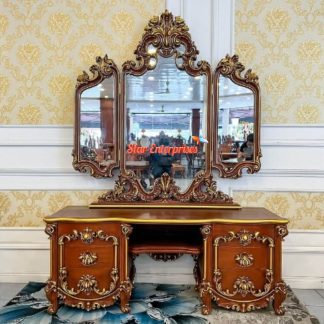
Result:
pixel 166 122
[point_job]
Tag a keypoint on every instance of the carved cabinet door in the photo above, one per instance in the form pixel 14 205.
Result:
pixel 243 266
pixel 91 265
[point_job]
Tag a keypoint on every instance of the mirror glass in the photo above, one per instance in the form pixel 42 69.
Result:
pixel 97 122
pixel 236 122
pixel 165 122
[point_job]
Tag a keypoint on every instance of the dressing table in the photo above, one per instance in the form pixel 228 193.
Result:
pixel 237 251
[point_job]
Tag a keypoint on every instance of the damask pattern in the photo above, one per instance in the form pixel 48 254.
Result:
pixel 28 208
pixel 305 210
pixel 45 44
pixel 282 41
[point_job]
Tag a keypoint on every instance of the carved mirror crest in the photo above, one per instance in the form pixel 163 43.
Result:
pixel 236 143
pixel 96 120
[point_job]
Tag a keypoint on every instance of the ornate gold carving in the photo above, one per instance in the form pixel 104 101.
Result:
pixel 126 229
pixel 85 284
pixel 244 259
pixel 88 258
pixel 87 236
pixel 202 190
pixel 50 229
pixel 245 237
pixel 232 66
pixel 105 67
pixel 243 285
pixel 282 230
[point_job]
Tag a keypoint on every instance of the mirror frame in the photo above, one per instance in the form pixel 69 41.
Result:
pixel 105 68
pixel 166 33
pixel 230 67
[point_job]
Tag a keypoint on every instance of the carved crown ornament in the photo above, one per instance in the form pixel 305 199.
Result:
pixel 166 38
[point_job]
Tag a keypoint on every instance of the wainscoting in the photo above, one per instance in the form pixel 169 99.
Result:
pixel 24 255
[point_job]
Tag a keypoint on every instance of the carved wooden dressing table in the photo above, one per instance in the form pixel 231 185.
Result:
pixel 239 254
pixel 179 106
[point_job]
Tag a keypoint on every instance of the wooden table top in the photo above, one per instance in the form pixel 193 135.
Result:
pixel 183 216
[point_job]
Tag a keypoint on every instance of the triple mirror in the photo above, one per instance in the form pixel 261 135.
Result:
pixel 167 132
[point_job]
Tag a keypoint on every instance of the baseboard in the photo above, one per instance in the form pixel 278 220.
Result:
pixel 24 255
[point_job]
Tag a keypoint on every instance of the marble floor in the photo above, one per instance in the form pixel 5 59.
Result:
pixel 311 298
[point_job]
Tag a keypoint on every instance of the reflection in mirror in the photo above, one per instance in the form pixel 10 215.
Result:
pixel 237 116
pixel 165 122
pixel 236 122
pixel 97 115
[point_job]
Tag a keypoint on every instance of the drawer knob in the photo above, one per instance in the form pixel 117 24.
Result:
pixel 244 259
pixel 88 258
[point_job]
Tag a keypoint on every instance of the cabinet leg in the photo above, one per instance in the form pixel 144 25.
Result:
pixel 51 293
pixel 205 298
pixel 279 297
pixel 124 305
pixel 125 293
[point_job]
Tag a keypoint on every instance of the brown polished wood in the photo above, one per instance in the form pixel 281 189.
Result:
pixel 237 254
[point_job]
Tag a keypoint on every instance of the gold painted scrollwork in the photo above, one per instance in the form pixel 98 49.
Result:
pixel 282 230
pixel 87 283
pixel 104 67
pixel 243 285
pixel 50 229
pixel 244 259
pixel 88 258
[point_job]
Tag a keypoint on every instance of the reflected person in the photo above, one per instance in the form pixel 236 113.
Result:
pixel 246 150
pixel 161 163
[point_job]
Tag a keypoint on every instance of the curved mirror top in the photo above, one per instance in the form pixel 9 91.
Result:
pixel 236 122
pixel 166 111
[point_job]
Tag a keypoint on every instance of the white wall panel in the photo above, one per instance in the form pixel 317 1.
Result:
pixel 293 160
pixel 211 25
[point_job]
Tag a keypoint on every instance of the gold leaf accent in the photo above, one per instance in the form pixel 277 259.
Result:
pixel 88 258
pixel 244 259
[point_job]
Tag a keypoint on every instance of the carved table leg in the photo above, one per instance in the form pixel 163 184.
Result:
pixel 51 293
pixel 279 297
pixel 125 293
pixel 206 299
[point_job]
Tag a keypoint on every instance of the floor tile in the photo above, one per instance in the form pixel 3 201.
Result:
pixel 321 292
pixel 10 290
pixel 318 312
pixel 309 297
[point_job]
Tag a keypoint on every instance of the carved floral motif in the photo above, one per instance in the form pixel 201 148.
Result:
pixel 88 258
pixel 244 259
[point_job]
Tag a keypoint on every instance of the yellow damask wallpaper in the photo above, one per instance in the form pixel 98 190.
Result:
pixel 45 45
pixel 304 210
pixel 282 40
pixel 28 208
